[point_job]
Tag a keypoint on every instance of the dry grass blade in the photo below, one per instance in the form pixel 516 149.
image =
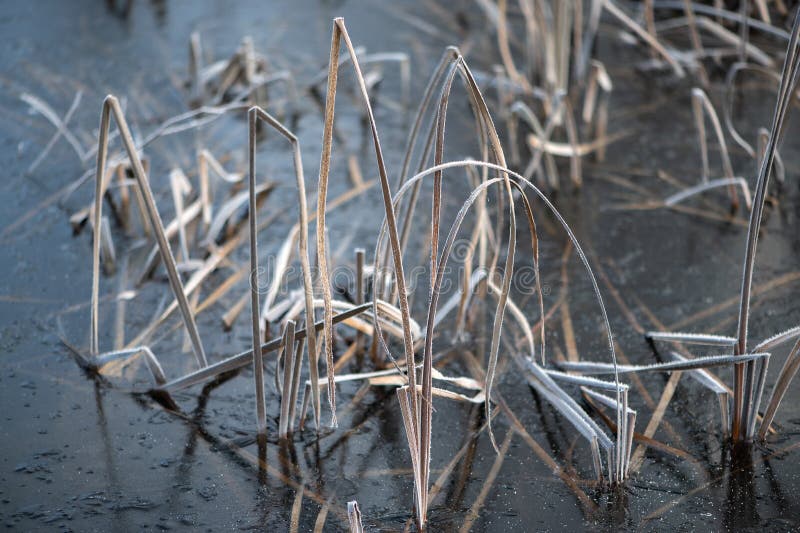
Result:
pixel 259 114
pixel 697 43
pixel 585 367
pixel 225 212
pixel 111 107
pixel 701 102
pixel 700 123
pixel 788 82
pixel 574 142
pixel 623 455
pixel 586 381
pixel 598 78
pixel 297 507
pixel 295 385
pixel 690 338
pixel 726 35
pixel 780 169
pixel 777 340
pixel 655 420
pixel 573 150
pixel 339 33
pixel 359 299
pixel 758 387
pixel 281 264
pixel 206 160
pixel 258 363
pixel 707 185
pixel 730 84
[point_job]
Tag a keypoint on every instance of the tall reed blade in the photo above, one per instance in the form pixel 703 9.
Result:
pixel 788 82
pixel 258 362
pixel 340 33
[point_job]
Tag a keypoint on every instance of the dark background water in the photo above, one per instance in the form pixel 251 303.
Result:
pixel 78 454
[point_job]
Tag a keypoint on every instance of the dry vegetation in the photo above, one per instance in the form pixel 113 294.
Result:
pixel 560 93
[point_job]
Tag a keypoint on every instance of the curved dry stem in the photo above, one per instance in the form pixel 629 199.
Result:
pixel 598 78
pixel 450 55
pixel 727 111
pixel 523 182
pixel 256 113
pixel 206 161
pixel 700 100
pixel 571 149
pixel 523 111
pixel 505 48
pixel 713 184
pixel 111 107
